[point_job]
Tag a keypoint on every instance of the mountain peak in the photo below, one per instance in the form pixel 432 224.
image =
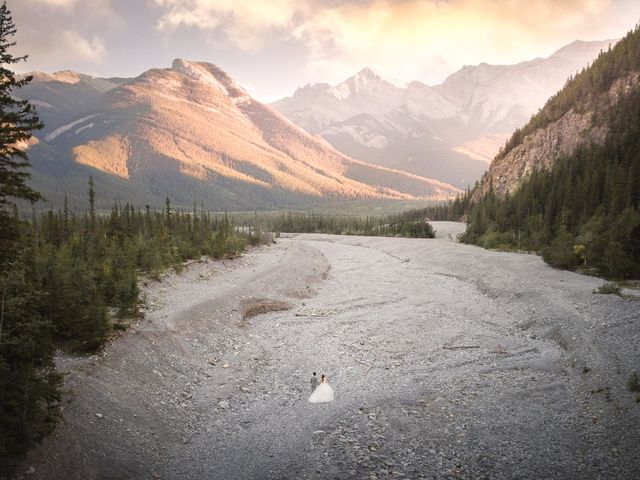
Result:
pixel 367 73
pixel 210 75
pixel 583 48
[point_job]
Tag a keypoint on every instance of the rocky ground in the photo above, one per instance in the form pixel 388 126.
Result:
pixel 447 361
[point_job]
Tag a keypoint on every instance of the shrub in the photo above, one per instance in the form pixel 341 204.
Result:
pixel 634 382
pixel 560 252
pixel 608 288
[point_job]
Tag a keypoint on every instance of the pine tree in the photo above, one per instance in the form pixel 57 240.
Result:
pixel 18 119
pixel 29 384
pixel 92 204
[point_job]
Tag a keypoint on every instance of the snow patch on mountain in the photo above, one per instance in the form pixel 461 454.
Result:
pixel 360 134
pixel 85 127
pixel 60 130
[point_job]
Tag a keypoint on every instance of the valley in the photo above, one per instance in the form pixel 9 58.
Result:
pixel 451 235
pixel 448 361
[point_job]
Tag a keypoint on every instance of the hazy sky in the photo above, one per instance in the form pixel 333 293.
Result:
pixel 272 47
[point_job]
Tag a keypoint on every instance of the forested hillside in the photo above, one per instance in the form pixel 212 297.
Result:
pixel 581 89
pixel 70 281
pixel 584 210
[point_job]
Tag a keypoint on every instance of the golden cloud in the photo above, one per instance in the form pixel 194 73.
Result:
pixel 403 38
pixel 247 24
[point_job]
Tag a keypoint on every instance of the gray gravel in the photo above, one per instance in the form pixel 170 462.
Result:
pixel 447 361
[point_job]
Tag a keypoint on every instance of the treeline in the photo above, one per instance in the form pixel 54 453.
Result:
pixel 580 90
pixel 412 223
pixel 584 211
pixel 68 280
pixel 452 211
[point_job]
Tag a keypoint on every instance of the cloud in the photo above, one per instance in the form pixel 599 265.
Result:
pixel 406 39
pixel 63 33
pixel 52 3
pixel 427 39
pixel 248 25
pixel 68 47
pixel 77 47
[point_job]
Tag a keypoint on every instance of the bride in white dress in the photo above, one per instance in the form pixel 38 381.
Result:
pixel 323 393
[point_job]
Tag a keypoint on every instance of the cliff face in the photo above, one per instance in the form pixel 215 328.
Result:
pixel 541 148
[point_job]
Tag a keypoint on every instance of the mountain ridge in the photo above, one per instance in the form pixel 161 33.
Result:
pixel 192 122
pixel 428 130
pixel 567 183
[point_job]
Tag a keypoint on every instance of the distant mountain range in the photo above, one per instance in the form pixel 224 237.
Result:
pixel 450 131
pixel 191 133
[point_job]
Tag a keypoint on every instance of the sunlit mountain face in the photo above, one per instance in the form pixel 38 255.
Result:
pixel 192 125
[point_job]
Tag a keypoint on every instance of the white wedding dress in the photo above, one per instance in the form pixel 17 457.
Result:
pixel 322 394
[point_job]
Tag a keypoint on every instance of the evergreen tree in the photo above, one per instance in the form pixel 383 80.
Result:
pixel 18 119
pixel 29 384
pixel 92 204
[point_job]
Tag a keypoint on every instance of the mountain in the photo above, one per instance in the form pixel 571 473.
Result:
pixel 567 184
pixel 571 119
pixel 191 133
pixel 315 107
pixel 449 131
pixel 65 93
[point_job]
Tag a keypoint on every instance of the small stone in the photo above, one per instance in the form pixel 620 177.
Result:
pixel 31 471
pixel 99 415
pixel 225 365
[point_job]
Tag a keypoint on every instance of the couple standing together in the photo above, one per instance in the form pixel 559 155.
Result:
pixel 321 393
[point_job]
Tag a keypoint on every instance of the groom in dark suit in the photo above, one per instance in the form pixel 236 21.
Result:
pixel 314 382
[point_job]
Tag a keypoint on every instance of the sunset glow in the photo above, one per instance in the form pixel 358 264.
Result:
pixel 291 43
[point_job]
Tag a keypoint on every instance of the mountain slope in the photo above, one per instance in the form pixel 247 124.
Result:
pixel 573 117
pixel 190 132
pixel 572 174
pixel 62 96
pixel 449 131
pixel 315 107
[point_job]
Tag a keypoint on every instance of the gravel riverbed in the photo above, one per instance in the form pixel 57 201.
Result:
pixel 447 361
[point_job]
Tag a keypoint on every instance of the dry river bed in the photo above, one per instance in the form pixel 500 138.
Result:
pixel 447 361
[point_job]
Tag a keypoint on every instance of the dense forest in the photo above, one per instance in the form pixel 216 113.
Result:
pixel 412 223
pixel 68 280
pixel 585 211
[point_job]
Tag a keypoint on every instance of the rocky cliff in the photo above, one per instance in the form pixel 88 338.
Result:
pixel 540 149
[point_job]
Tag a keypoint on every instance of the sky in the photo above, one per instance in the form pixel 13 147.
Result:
pixel 272 47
